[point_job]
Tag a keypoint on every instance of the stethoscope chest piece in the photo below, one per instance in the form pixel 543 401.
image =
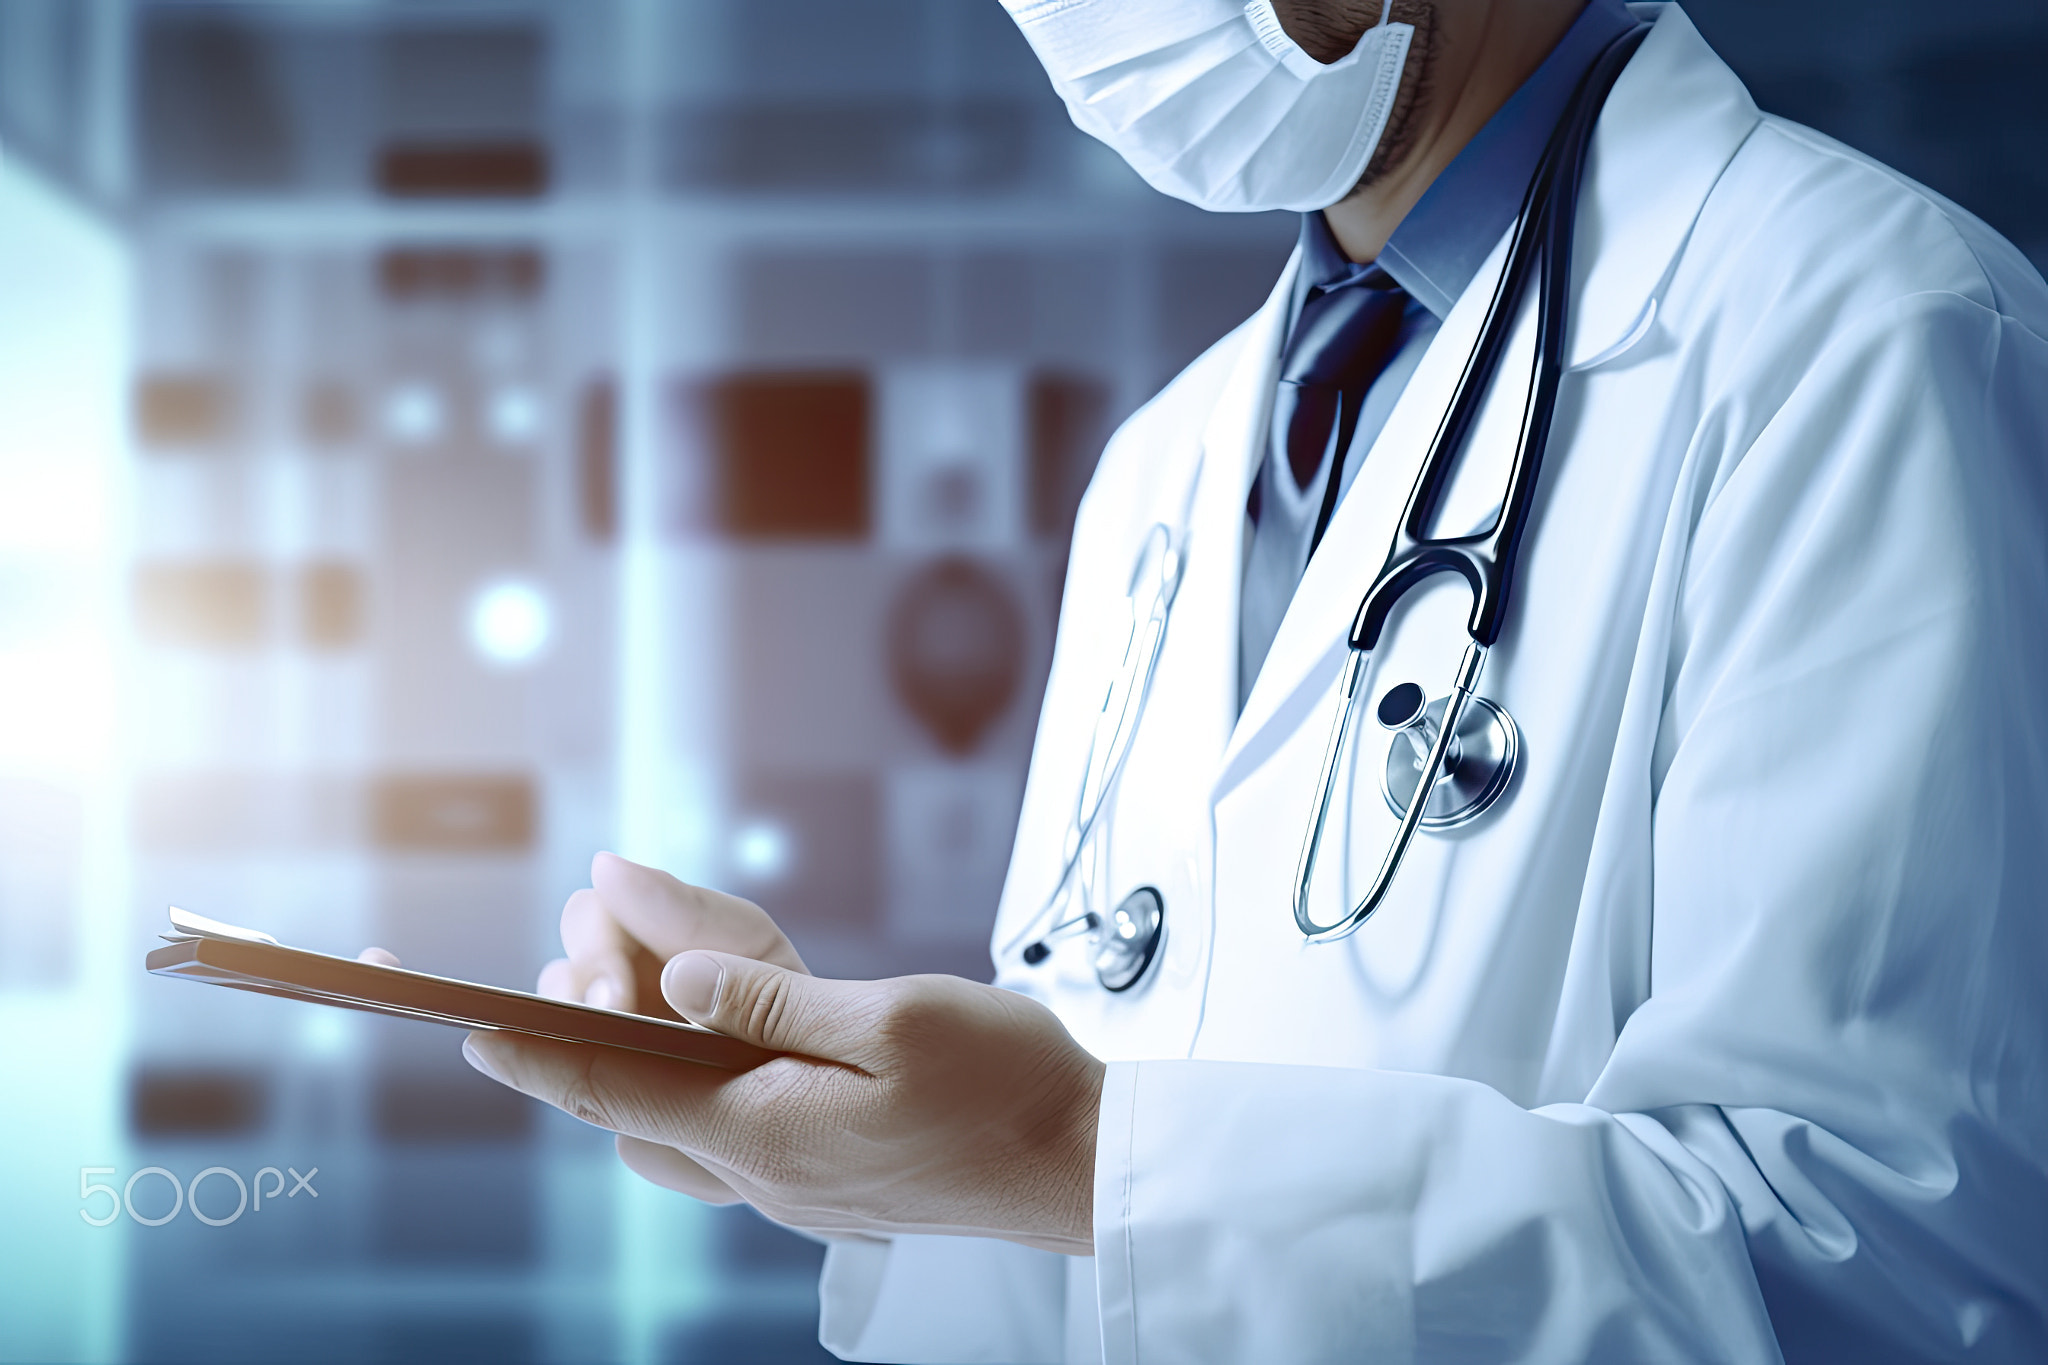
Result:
pixel 1478 769
pixel 1126 945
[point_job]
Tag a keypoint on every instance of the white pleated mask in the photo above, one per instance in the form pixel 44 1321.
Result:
pixel 1215 104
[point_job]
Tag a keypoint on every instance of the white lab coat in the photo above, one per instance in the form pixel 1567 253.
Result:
pixel 1724 1036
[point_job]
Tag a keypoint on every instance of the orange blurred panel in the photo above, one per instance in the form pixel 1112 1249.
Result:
pixel 329 414
pixel 184 1102
pixel 793 455
pixel 183 411
pixel 205 604
pixel 463 170
pixel 330 604
pixel 1069 422
pixel 597 460
pixel 454 813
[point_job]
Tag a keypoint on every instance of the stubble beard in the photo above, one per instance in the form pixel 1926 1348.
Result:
pixel 1412 101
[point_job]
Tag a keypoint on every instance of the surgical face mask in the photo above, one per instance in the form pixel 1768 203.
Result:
pixel 1215 104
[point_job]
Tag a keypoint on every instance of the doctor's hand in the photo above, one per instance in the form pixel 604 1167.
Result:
pixel 633 919
pixel 618 934
pixel 922 1104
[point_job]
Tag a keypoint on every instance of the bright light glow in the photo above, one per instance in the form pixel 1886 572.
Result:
pixel 326 1034
pixel 509 623
pixel 761 850
pixel 61 430
pixel 514 415
pixel 63 371
pixel 57 707
pixel 413 413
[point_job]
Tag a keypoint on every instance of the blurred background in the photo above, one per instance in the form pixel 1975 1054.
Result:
pixel 441 440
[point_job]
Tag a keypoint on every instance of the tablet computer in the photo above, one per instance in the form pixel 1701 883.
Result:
pixel 201 949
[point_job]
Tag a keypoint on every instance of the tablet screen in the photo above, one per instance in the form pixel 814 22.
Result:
pixel 272 969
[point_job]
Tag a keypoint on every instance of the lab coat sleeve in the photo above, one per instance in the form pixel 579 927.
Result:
pixel 1825 1131
pixel 913 1300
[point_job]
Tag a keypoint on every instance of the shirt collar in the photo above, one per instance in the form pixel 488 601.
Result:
pixel 1323 263
pixel 1447 236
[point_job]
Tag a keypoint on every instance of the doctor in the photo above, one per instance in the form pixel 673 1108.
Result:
pixel 1720 1033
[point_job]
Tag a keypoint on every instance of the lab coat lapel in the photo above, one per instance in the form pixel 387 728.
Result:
pixel 1160 827
pixel 1637 204
pixel 1203 639
pixel 1672 123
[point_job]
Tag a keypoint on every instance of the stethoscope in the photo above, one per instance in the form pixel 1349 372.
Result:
pixel 1449 761
pixel 1124 941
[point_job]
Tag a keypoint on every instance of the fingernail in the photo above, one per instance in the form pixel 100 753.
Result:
pixel 690 981
pixel 603 993
pixel 476 1059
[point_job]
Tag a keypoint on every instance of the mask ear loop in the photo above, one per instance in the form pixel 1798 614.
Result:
pixel 1273 36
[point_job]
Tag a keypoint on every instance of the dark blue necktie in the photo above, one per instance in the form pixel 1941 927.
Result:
pixel 1340 343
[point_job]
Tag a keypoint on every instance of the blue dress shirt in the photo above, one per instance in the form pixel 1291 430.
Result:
pixel 1446 237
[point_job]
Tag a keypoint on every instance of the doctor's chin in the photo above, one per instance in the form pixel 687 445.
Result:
pixel 1044 682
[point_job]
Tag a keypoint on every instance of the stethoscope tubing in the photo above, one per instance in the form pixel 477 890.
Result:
pixel 1542 242
pixel 1105 761
pixel 1411 820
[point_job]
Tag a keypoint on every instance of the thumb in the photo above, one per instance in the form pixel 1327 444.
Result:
pixel 772 1006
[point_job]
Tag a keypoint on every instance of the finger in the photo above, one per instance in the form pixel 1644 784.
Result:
pixel 779 1009
pixel 633 1093
pixel 655 1098
pixel 660 1164
pixel 562 979
pixel 613 969
pixel 728 1123
pixel 588 929
pixel 687 1171
pixel 671 916
pixel 382 957
pixel 597 983
pixel 558 981
pixel 602 967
